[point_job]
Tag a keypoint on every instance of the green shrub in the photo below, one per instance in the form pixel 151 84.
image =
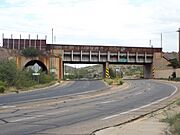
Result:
pixel 176 79
pixel 2 89
pixel 8 71
pixel 24 80
pixel 174 122
pixel 30 52
pixel 44 78
pixel 109 81
pixel 177 127
pixel 2 83
pixel 120 81
pixel 178 102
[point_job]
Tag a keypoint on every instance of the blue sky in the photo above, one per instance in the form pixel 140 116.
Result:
pixel 102 22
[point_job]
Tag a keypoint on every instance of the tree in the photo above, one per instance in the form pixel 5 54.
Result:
pixel 112 73
pixel 8 72
pixel 175 64
pixel 30 52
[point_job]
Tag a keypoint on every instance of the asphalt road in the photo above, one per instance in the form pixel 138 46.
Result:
pixel 62 118
pixel 58 91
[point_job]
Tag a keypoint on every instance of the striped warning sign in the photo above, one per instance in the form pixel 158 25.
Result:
pixel 107 72
pixel 153 72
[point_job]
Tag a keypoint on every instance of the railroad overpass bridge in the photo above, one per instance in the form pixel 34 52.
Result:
pixel 54 56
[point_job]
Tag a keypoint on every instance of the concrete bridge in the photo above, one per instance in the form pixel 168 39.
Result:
pixel 55 55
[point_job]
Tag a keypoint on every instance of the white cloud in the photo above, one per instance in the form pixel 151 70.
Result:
pixel 122 22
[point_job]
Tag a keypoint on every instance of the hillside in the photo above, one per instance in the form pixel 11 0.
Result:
pixel 96 71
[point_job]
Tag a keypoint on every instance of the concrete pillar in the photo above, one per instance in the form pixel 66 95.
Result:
pixel 29 40
pixel 48 65
pixel 19 43
pixel 99 56
pixel 72 58
pixel 12 41
pixel 137 57
pixel 145 57
pixel 127 56
pixel 90 56
pixel 24 43
pixel 105 68
pixel 118 56
pixel 40 45
pixel 108 56
pixel 148 71
pixel 61 69
pixel 18 62
pixel 8 46
pixel 81 55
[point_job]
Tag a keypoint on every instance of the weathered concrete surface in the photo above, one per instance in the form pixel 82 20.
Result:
pixel 145 126
pixel 5 53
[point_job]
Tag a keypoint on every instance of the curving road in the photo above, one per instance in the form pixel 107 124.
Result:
pixel 48 93
pixel 85 115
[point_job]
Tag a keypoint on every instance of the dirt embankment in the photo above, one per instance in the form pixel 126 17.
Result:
pixel 5 53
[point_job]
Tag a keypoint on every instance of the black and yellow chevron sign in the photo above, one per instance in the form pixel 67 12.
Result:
pixel 153 72
pixel 107 72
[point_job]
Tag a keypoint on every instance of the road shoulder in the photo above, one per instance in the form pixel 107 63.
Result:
pixel 148 124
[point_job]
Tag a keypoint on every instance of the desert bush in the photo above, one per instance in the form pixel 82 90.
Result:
pixel 24 80
pixel 2 89
pixel 30 52
pixel 109 81
pixel 119 81
pixel 44 78
pixel 8 72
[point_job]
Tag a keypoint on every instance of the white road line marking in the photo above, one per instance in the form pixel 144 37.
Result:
pixel 139 93
pixel 106 102
pixel 22 119
pixel 109 117
pixel 4 107
pixel 155 102
pixel 37 116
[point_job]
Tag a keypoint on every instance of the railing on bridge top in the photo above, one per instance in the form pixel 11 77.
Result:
pixel 20 44
pixel 87 53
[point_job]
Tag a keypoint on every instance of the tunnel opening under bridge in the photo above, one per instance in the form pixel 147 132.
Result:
pixel 99 71
pixel 36 66
pixel 82 71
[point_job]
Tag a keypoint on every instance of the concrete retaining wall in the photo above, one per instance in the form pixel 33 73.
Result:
pixel 166 73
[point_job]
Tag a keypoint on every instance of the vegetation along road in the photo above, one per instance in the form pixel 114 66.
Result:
pixel 81 116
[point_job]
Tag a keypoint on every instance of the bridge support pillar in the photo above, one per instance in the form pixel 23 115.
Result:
pixel 18 62
pixel 148 71
pixel 106 70
pixel 61 70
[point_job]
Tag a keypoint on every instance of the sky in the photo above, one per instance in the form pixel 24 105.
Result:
pixel 94 22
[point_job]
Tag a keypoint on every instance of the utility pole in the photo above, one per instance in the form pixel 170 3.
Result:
pixel 52 41
pixel 52 35
pixel 150 43
pixel 179 43
pixel 161 40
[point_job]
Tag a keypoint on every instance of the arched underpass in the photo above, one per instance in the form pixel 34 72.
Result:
pixel 33 63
